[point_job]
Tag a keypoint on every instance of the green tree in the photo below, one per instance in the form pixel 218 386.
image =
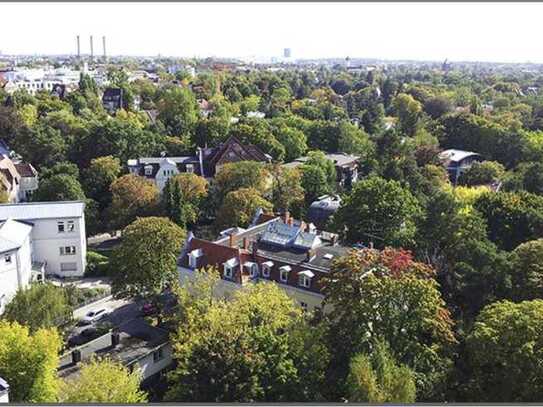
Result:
pixel 314 182
pixel 98 178
pixel 103 381
pixel 39 306
pixel 145 262
pixel 178 110
pixel 505 351
pixel 486 172
pixel 386 295
pixel 438 106
pixel 242 174
pixel 29 362
pixel 527 270
pixel 239 208
pixel 378 209
pixel 378 378
pixel 132 196
pixel 409 112
pixel 271 360
pixel 183 196
pixel 512 218
pixel 287 190
pixel 59 187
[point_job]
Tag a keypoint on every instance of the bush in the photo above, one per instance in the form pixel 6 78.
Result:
pixel 97 265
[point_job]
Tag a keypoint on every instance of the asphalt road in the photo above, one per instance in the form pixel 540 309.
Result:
pixel 119 311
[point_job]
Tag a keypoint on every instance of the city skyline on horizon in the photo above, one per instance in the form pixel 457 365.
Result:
pixel 400 32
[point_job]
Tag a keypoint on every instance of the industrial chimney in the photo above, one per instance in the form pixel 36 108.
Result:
pixel 91 48
pixel 78 48
pixel 104 46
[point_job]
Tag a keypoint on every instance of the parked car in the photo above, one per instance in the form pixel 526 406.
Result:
pixel 85 336
pixel 93 316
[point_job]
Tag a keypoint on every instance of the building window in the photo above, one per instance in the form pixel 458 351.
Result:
pixel 304 306
pixel 229 267
pixel 304 278
pixel 7 258
pixel 254 270
pixel 65 267
pixel 190 168
pixel 305 281
pixel 158 355
pixel 60 227
pixel 283 273
pixel 71 226
pixel 67 250
pixel 266 269
pixel 193 258
pixel 148 169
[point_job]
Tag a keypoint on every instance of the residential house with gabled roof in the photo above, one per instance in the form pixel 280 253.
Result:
pixel 457 162
pixel 206 162
pixel 274 249
pixel 346 167
pixel 19 180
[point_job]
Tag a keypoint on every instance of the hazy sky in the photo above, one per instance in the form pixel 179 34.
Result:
pixel 508 32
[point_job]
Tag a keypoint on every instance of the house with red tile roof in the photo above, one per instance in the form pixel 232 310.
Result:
pixel 205 163
pixel 274 249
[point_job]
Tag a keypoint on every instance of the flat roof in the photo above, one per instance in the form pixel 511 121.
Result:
pixel 137 339
pixel 42 210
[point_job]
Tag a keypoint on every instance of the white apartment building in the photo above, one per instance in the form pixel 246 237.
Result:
pixel 4 391
pixel 58 239
pixel 16 269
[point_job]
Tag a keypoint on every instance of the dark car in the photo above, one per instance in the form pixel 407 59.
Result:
pixel 85 336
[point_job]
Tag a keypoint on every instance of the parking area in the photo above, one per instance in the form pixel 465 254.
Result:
pixel 117 312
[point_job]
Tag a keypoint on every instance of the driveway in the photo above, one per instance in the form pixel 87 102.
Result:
pixel 120 311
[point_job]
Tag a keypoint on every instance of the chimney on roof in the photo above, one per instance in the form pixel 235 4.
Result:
pixel 371 244
pixel 246 243
pixel 115 339
pixel 286 217
pixel 309 255
pixel 255 247
pixel 231 240
pixel 76 356
pixel 290 221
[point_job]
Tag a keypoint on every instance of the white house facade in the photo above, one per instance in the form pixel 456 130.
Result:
pixel 15 259
pixel 58 239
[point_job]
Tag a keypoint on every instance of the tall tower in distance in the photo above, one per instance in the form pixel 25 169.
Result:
pixel 91 48
pixel 104 47
pixel 78 48
pixel 287 53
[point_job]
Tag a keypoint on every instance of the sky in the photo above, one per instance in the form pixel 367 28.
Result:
pixel 500 32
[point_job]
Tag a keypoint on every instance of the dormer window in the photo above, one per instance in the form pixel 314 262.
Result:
pixel 283 273
pixel 252 268
pixel 266 268
pixel 148 170
pixel 190 168
pixel 193 258
pixel 229 267
pixel 304 278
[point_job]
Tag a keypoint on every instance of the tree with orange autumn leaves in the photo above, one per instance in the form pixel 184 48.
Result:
pixel 387 296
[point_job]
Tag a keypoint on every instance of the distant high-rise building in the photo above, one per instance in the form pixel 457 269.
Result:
pixel 287 53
